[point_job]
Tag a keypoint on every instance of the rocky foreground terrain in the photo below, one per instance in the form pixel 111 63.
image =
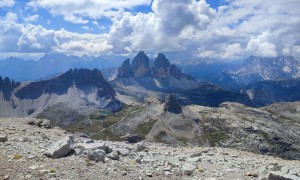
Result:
pixel 33 149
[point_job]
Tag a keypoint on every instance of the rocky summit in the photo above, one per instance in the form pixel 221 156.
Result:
pixel 161 66
pixel 146 80
pixel 34 152
pixel 140 65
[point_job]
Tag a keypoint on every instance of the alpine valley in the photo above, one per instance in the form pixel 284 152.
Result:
pixel 250 106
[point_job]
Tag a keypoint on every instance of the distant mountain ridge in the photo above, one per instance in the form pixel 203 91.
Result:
pixel 80 78
pixel 51 64
pixel 264 68
pixel 236 75
pixel 270 91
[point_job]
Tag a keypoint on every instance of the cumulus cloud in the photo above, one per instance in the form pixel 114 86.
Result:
pixel 79 44
pixel 32 18
pixel 237 29
pixel 232 50
pixel 10 31
pixel 37 38
pixel 261 46
pixel 169 28
pixel 7 3
pixel 77 11
pixel 28 38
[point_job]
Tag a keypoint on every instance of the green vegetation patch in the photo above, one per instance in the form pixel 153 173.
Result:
pixel 106 134
pixel 183 140
pixel 144 128
pixel 214 137
pixel 102 121
pixel 160 137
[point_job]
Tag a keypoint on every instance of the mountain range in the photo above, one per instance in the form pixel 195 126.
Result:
pixel 68 96
pixel 156 101
pixel 237 75
pixel 51 65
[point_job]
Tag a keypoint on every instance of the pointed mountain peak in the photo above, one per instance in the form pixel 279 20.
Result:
pixel 140 65
pixel 124 70
pixel 141 53
pixel 162 60
pixel 161 66
pixel 161 56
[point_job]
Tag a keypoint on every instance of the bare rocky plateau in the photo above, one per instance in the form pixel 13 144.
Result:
pixel 25 142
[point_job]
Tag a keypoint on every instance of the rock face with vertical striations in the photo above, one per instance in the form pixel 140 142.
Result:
pixel 79 78
pixel 161 66
pixel 124 70
pixel 140 65
pixel 160 76
pixel 174 71
pixel 7 87
pixel 65 99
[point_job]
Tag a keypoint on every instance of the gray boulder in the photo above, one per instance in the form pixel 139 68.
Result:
pixel 96 155
pixel 3 138
pixel 280 176
pixel 123 151
pixel 113 155
pixel 141 146
pixel 188 169
pixel 60 148
pixel 93 146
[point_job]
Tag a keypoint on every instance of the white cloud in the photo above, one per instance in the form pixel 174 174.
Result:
pixel 36 39
pixel 232 50
pixel 260 46
pixel 32 18
pixel 101 27
pixel 10 31
pixel 39 39
pixel 77 11
pixel 79 44
pixel 7 3
pixel 169 28
pixel 21 38
pixel 238 29
pixel 241 28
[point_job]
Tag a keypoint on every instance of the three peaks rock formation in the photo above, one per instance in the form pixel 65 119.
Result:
pixel 140 67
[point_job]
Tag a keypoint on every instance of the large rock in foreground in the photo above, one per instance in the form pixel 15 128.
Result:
pixel 280 176
pixel 3 138
pixel 61 148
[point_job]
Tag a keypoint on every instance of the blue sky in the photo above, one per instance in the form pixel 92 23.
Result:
pixel 190 28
